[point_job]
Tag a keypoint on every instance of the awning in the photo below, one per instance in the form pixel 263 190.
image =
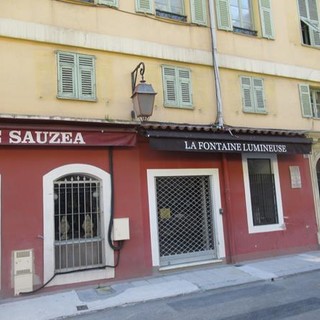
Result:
pixel 226 142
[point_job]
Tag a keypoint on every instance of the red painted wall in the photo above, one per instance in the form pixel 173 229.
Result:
pixel 22 169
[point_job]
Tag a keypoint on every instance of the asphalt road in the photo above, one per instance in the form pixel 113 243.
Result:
pixel 295 297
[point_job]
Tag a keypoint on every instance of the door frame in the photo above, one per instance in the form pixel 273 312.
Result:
pixel 216 201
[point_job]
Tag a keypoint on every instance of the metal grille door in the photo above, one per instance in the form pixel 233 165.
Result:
pixel 78 242
pixel 185 220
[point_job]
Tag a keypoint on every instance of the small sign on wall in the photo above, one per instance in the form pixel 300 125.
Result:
pixel 295 177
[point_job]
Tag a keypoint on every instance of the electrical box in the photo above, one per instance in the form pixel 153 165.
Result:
pixel 121 229
pixel 23 271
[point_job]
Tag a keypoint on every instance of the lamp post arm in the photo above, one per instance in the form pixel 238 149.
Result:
pixel 134 74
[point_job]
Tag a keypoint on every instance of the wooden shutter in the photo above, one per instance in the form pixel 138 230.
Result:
pixel 145 6
pixel 198 12
pixel 266 19
pixel 259 98
pixel 66 75
pixel 305 100
pixel 223 15
pixel 86 77
pixel 169 86
pixel 111 3
pixel 247 94
pixel 185 94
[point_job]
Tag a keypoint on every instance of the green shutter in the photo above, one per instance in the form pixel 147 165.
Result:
pixel 169 86
pixel 259 98
pixel 266 19
pixel 185 94
pixel 305 100
pixel 247 94
pixel 198 12
pixel 111 3
pixel 223 15
pixel 86 77
pixel 145 6
pixel 66 75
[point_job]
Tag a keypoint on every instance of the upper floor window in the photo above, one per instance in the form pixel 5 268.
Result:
pixel 177 87
pixel 76 76
pixel 309 21
pixel 241 13
pixel 253 97
pixel 174 9
pixel 111 3
pixel 237 16
pixel 310 101
pixel 172 6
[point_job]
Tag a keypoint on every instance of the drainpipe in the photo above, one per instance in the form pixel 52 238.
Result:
pixel 219 120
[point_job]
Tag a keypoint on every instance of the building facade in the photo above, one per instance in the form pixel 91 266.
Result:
pixel 224 170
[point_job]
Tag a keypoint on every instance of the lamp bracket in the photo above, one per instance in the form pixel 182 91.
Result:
pixel 134 75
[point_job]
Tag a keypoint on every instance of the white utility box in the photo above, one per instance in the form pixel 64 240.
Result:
pixel 121 229
pixel 23 271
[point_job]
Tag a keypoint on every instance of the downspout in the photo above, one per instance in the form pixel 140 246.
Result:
pixel 219 119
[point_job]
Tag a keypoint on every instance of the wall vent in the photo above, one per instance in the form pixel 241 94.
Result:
pixel 23 271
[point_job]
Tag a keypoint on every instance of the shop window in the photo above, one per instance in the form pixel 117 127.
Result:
pixel 76 76
pixel 175 9
pixel 263 198
pixel 253 97
pixel 177 87
pixel 310 101
pixel 309 22
pixel 238 16
pixel 76 218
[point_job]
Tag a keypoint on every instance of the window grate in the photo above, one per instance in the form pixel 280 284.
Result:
pixel 78 243
pixel 184 216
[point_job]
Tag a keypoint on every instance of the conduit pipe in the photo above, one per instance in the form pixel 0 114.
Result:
pixel 219 119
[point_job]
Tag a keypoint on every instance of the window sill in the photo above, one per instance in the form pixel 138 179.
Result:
pixel 247 32
pixel 179 107
pixel 77 99
pixel 170 15
pixel 256 112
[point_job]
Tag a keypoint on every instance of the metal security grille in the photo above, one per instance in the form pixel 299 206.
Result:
pixel 78 243
pixel 184 219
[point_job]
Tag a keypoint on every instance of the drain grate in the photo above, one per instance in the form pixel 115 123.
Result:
pixel 82 307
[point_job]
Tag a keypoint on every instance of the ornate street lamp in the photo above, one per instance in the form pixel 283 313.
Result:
pixel 142 94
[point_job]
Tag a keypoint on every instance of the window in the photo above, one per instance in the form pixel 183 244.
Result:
pixel 177 87
pixel 76 76
pixel 173 6
pixel 262 188
pixel 310 101
pixel 309 21
pixel 174 9
pixel 241 14
pixel 253 99
pixel 237 16
pixel 76 216
pixel 111 3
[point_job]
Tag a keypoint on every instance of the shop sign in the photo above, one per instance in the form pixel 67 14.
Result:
pixel 65 138
pixel 198 145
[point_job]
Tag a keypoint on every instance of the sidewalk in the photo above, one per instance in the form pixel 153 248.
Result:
pixel 73 302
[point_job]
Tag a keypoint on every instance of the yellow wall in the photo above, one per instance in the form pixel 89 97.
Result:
pixel 31 31
pixel 119 39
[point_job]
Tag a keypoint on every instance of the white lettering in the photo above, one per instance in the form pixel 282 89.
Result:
pixel 14 136
pixel 78 139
